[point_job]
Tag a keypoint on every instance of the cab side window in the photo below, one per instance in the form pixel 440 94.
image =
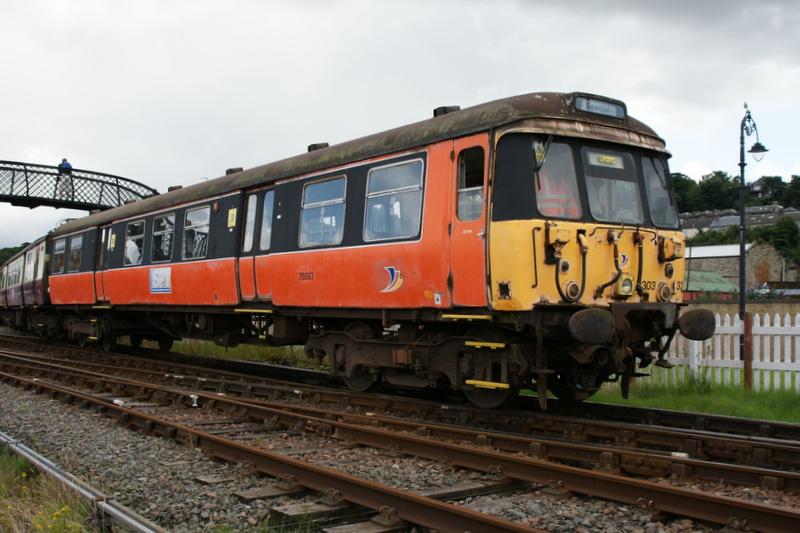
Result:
pixel 470 184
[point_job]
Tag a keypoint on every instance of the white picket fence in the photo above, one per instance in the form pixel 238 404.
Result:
pixel 776 355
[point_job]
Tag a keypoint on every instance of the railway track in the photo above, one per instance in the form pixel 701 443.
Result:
pixel 702 445
pixel 212 368
pixel 486 452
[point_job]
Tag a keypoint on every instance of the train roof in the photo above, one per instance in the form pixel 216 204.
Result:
pixel 470 120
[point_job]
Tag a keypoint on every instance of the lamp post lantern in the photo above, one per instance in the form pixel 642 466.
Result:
pixel 758 151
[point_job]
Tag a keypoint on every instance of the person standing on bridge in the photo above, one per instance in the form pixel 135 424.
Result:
pixel 64 179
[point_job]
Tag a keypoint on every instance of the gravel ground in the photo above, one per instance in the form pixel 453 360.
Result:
pixel 120 462
pixel 577 514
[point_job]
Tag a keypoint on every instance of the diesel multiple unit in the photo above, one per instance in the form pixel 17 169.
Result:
pixel 530 242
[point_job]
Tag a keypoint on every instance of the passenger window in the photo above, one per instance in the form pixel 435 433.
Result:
pixel 394 201
pixel 556 184
pixel 163 231
pixel 250 224
pixel 58 256
pixel 134 243
pixel 470 184
pixel 266 221
pixel 322 218
pixel 2 279
pixel 74 260
pixel 195 233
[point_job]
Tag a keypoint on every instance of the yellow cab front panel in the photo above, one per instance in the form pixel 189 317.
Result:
pixel 582 222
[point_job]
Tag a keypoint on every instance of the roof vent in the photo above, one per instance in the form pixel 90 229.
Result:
pixel 445 109
pixel 233 170
pixel 317 146
pixel 174 188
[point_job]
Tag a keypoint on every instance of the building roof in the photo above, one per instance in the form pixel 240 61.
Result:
pixel 705 281
pixel 717 250
pixel 552 113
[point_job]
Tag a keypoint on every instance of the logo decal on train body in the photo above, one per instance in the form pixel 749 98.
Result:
pixel 395 279
pixel 623 260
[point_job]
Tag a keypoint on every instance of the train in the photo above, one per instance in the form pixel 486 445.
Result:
pixel 530 242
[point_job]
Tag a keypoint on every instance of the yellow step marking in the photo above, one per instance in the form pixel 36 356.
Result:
pixel 492 345
pixel 466 317
pixel 101 307
pixel 268 311
pixel 487 384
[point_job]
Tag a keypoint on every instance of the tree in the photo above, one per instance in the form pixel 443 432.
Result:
pixel 686 192
pixel 769 188
pixel 718 191
pixel 6 253
pixel 791 193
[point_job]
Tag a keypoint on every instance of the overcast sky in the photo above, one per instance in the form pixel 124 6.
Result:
pixel 168 91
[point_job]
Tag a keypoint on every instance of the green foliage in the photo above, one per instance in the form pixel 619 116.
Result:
pixel 30 501
pixel 6 253
pixel 784 235
pixel 687 193
pixel 698 395
pixel 718 190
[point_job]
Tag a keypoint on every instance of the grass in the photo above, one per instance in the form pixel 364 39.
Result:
pixel 30 501
pixel 279 355
pixel 698 394
pixel 304 525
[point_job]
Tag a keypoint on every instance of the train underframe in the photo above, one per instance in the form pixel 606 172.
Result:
pixel 567 350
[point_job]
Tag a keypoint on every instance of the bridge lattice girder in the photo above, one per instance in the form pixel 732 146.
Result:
pixel 31 185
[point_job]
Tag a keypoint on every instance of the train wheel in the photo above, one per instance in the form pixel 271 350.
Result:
pixel 361 380
pixel 491 398
pixel 165 343
pixel 81 341
pixel 135 340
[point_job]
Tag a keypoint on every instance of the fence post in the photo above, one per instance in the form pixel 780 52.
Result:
pixel 748 351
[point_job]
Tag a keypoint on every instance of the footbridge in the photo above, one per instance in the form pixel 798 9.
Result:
pixel 31 185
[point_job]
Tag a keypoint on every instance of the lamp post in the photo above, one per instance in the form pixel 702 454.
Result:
pixel 758 151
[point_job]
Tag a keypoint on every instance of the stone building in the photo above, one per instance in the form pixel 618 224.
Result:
pixel 763 263
pixel 721 219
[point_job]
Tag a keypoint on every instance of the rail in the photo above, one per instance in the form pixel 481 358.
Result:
pixel 31 185
pixel 102 506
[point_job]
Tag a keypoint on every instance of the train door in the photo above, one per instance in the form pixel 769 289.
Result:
pixel 40 285
pixel 468 221
pixel 247 274
pixel 29 273
pixel 100 263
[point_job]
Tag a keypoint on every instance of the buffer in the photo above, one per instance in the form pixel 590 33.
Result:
pixel 30 185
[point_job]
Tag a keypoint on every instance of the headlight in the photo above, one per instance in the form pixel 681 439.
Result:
pixel 624 285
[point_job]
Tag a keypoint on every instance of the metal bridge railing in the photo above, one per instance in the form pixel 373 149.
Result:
pixel 31 185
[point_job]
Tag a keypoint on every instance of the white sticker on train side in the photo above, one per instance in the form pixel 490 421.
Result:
pixel 161 280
